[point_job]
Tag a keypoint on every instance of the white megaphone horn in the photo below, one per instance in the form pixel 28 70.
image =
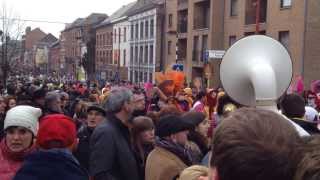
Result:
pixel 256 71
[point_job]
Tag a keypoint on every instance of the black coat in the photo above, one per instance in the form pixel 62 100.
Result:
pixel 112 157
pixel 83 150
pixel 51 165
pixel 310 127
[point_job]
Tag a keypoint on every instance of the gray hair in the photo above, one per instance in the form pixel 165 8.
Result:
pixel 117 98
pixel 51 97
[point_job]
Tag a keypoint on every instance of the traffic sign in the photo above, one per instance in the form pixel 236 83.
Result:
pixel 217 54
pixel 177 67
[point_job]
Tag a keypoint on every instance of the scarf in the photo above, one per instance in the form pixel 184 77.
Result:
pixel 183 153
pixel 15 156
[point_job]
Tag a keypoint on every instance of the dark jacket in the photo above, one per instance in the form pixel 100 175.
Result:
pixel 83 150
pixel 2 116
pixel 112 157
pixel 310 127
pixel 51 165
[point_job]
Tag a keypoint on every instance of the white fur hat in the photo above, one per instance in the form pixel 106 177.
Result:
pixel 23 116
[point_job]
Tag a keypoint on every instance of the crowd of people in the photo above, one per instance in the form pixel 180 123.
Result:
pixel 121 131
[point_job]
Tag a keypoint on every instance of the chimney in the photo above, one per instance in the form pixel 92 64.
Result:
pixel 28 29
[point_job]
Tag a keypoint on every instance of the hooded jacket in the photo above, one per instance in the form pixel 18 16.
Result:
pixel 50 165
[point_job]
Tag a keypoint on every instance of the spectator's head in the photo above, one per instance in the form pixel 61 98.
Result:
pixel 3 105
pixel 11 102
pixel 64 99
pixel 120 101
pixel 254 144
pixel 199 122
pixel 143 130
pixel 95 115
pixel 309 166
pixel 293 106
pixel 173 128
pixel 38 96
pixel 139 101
pixel 53 102
pixel 57 131
pixel 21 126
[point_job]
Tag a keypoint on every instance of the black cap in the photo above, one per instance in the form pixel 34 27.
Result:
pixel 195 118
pixel 171 124
pixel 96 107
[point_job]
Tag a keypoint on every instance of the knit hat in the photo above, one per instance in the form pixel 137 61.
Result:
pixel 23 116
pixel 56 127
pixel 171 124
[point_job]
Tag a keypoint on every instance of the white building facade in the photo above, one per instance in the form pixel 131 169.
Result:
pixel 121 45
pixel 143 46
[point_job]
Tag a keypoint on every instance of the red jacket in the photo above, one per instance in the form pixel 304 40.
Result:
pixel 10 162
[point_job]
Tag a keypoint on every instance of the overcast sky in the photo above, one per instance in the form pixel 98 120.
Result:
pixel 59 11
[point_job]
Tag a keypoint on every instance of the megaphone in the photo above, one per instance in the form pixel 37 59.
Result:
pixel 256 71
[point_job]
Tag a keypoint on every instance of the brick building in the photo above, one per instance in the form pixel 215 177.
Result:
pixel 42 54
pixel 77 39
pixel 29 40
pixel 54 63
pixel 198 25
pixel 111 34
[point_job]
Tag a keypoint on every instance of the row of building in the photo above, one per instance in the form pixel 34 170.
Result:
pixel 149 36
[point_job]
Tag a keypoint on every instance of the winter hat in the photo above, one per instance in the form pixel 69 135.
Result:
pixel 23 116
pixel 56 127
pixel 195 118
pixel 311 114
pixel 171 124
pixel 96 107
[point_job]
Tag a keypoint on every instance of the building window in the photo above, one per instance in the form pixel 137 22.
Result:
pixel 140 76
pixel 141 30
pixel 151 54
pixel 141 55
pixel 137 31
pixel 131 76
pixel 135 76
pixel 195 52
pixel 124 34
pixel 169 47
pixel 232 40
pixel 119 35
pixel 146 54
pixel 204 47
pixel 170 20
pixel 234 8
pixel 150 77
pixel 145 77
pixel 136 54
pixel 284 38
pixel 115 36
pixel 124 57
pixel 131 55
pixel 147 28
pixel 132 31
pixel 285 3
pixel 151 28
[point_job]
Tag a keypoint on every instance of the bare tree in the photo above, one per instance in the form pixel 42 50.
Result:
pixel 11 29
